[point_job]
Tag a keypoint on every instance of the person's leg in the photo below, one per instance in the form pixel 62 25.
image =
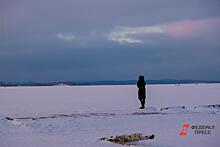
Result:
pixel 143 103
pixel 140 101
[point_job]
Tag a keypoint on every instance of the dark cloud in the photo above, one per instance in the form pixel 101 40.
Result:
pixel 56 40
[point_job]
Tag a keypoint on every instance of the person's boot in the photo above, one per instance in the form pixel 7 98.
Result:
pixel 142 104
pixel 141 107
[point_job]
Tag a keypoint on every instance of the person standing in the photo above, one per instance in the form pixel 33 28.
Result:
pixel 141 91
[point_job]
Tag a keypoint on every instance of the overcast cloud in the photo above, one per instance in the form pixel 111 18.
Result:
pixel 81 40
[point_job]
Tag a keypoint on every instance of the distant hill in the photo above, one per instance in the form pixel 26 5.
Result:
pixel 162 81
pixel 125 82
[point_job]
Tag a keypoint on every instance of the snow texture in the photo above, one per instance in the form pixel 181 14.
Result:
pixel 79 115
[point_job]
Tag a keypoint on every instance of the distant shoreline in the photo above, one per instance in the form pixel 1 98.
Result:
pixel 125 82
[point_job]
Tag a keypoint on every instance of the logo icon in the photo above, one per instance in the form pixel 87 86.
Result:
pixel 185 127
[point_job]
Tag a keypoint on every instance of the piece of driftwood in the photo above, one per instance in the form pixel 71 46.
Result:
pixel 127 138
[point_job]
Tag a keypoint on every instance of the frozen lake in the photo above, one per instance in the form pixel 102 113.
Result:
pixel 79 115
pixel 20 101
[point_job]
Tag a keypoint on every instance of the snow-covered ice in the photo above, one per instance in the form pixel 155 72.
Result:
pixel 64 116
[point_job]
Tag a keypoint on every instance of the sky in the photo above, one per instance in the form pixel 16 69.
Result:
pixel 95 40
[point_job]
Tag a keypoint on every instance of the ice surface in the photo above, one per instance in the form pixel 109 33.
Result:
pixel 176 110
pixel 78 116
pixel 207 109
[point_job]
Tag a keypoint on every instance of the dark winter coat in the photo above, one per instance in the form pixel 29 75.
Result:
pixel 141 89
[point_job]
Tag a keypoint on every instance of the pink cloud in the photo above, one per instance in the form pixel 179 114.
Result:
pixel 193 28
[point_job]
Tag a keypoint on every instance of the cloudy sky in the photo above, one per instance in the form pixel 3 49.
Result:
pixel 92 40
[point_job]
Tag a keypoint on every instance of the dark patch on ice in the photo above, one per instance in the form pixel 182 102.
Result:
pixel 77 115
pixel 212 109
pixel 8 118
pixel 175 110
pixel 207 106
pixel 179 107
pixel 81 115
pixel 144 113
